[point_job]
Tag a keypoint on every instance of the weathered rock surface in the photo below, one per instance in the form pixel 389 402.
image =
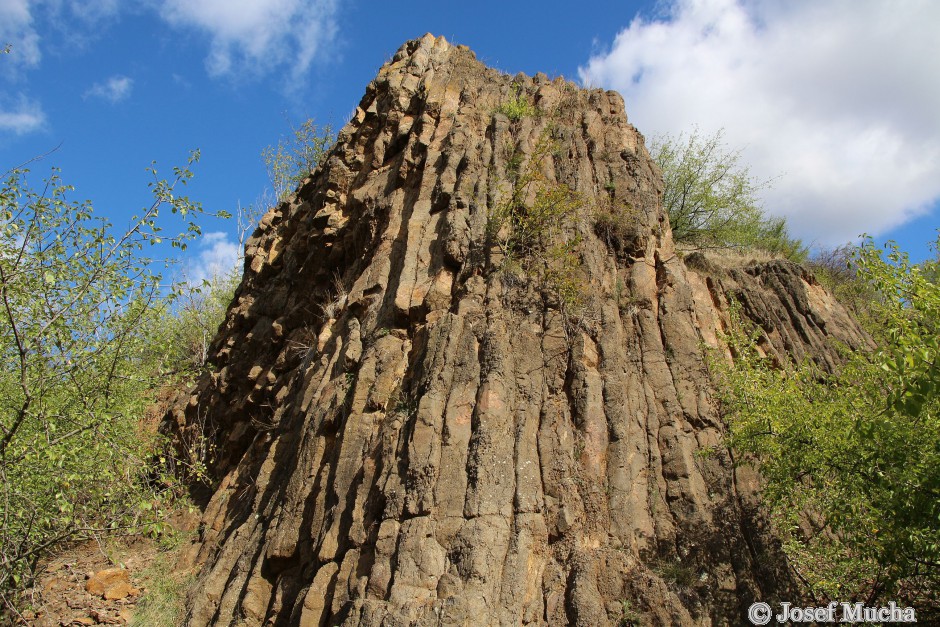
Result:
pixel 403 435
pixel 111 584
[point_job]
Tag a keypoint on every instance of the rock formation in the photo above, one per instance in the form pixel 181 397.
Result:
pixel 406 431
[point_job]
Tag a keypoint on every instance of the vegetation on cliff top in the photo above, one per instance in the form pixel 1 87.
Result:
pixel 712 198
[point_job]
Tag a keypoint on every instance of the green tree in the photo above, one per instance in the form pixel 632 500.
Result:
pixel 713 200
pixel 196 314
pixel 78 299
pixel 293 159
pixel 852 460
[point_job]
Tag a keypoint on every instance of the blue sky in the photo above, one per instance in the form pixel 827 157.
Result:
pixel 837 101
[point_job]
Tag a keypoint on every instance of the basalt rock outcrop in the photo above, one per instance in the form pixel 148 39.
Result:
pixel 404 431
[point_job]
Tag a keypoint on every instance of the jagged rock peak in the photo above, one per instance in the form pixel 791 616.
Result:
pixel 405 428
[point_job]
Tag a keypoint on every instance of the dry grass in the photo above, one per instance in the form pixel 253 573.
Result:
pixel 727 258
pixel 165 597
pixel 333 308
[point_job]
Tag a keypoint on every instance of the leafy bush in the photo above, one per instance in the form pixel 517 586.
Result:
pixel 852 460
pixel 712 199
pixel 292 160
pixel 517 108
pixel 835 270
pixel 77 302
pixel 193 319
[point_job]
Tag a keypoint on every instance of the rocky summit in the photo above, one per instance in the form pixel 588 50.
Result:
pixel 464 380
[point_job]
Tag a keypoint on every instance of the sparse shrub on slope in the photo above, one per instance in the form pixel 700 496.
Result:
pixel 530 226
pixel 292 159
pixel 518 107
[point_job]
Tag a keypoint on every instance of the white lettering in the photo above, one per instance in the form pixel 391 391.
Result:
pixel 852 613
pixel 858 613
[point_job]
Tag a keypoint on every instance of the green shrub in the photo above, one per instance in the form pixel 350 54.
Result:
pixel 78 303
pixel 533 235
pixel 852 460
pixel 712 199
pixel 629 617
pixel 518 107
pixel 293 159
pixel 191 322
pixel 834 269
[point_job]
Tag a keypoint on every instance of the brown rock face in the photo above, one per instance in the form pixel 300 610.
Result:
pixel 407 433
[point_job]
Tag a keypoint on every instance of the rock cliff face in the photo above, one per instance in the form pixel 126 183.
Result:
pixel 406 432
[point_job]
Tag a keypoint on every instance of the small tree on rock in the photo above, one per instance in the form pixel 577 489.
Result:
pixel 713 200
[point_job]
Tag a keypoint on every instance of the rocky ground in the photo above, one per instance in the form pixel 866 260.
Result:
pixel 119 581
pixel 91 585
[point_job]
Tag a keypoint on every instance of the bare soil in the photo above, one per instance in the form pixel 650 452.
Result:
pixel 60 598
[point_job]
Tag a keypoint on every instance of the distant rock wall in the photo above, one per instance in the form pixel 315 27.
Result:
pixel 406 436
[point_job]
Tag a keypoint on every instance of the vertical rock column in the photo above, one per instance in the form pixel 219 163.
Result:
pixel 403 433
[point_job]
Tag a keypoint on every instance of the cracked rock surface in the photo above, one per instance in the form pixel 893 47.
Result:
pixel 404 436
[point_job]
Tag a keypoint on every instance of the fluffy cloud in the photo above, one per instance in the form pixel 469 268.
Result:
pixel 16 29
pixel 217 256
pixel 90 11
pixel 257 34
pixel 837 99
pixel 23 117
pixel 244 35
pixel 115 89
pixel 69 18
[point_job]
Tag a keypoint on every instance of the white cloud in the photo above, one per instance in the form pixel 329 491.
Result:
pixel 218 255
pixel 244 35
pixel 25 116
pixel 257 35
pixel 839 99
pixel 18 25
pixel 115 89
pixel 91 11
pixel 16 29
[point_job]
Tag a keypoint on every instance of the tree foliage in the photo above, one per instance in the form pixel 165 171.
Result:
pixel 79 300
pixel 835 269
pixel 713 201
pixel 852 460
pixel 293 159
pixel 194 318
